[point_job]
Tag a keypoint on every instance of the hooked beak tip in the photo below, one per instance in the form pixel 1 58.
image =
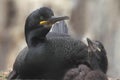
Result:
pixel 53 20
pixel 56 19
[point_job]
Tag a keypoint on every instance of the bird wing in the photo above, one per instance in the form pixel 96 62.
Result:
pixel 60 27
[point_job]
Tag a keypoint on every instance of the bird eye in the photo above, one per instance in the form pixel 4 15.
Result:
pixel 41 17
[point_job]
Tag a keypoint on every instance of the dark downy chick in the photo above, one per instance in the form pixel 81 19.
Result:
pixel 48 55
pixel 83 72
pixel 77 73
pixel 96 75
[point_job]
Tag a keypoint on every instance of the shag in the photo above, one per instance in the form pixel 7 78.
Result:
pixel 97 56
pixel 48 55
pixel 97 60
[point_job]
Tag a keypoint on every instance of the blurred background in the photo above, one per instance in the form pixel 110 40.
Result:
pixel 96 19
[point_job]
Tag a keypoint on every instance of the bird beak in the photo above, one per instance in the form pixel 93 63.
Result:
pixel 91 45
pixel 53 20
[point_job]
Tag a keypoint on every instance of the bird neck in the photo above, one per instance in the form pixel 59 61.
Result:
pixel 93 61
pixel 36 36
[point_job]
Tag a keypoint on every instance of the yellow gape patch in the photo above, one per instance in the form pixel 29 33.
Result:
pixel 44 22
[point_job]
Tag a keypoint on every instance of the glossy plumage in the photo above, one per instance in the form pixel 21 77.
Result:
pixel 48 55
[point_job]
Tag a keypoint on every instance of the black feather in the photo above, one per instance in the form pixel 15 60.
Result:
pixel 48 55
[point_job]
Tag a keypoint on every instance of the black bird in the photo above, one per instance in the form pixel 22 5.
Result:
pixel 97 68
pixel 97 56
pixel 48 55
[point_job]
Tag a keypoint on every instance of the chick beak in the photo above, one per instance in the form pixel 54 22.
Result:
pixel 53 20
pixel 91 45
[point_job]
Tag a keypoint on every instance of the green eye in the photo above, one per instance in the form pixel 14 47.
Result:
pixel 41 17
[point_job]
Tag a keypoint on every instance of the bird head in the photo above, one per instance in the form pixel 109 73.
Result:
pixel 97 54
pixel 42 18
pixel 94 46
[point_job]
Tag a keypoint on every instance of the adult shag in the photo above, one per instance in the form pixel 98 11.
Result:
pixel 48 55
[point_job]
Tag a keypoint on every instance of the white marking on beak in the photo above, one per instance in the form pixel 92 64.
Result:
pixel 98 49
